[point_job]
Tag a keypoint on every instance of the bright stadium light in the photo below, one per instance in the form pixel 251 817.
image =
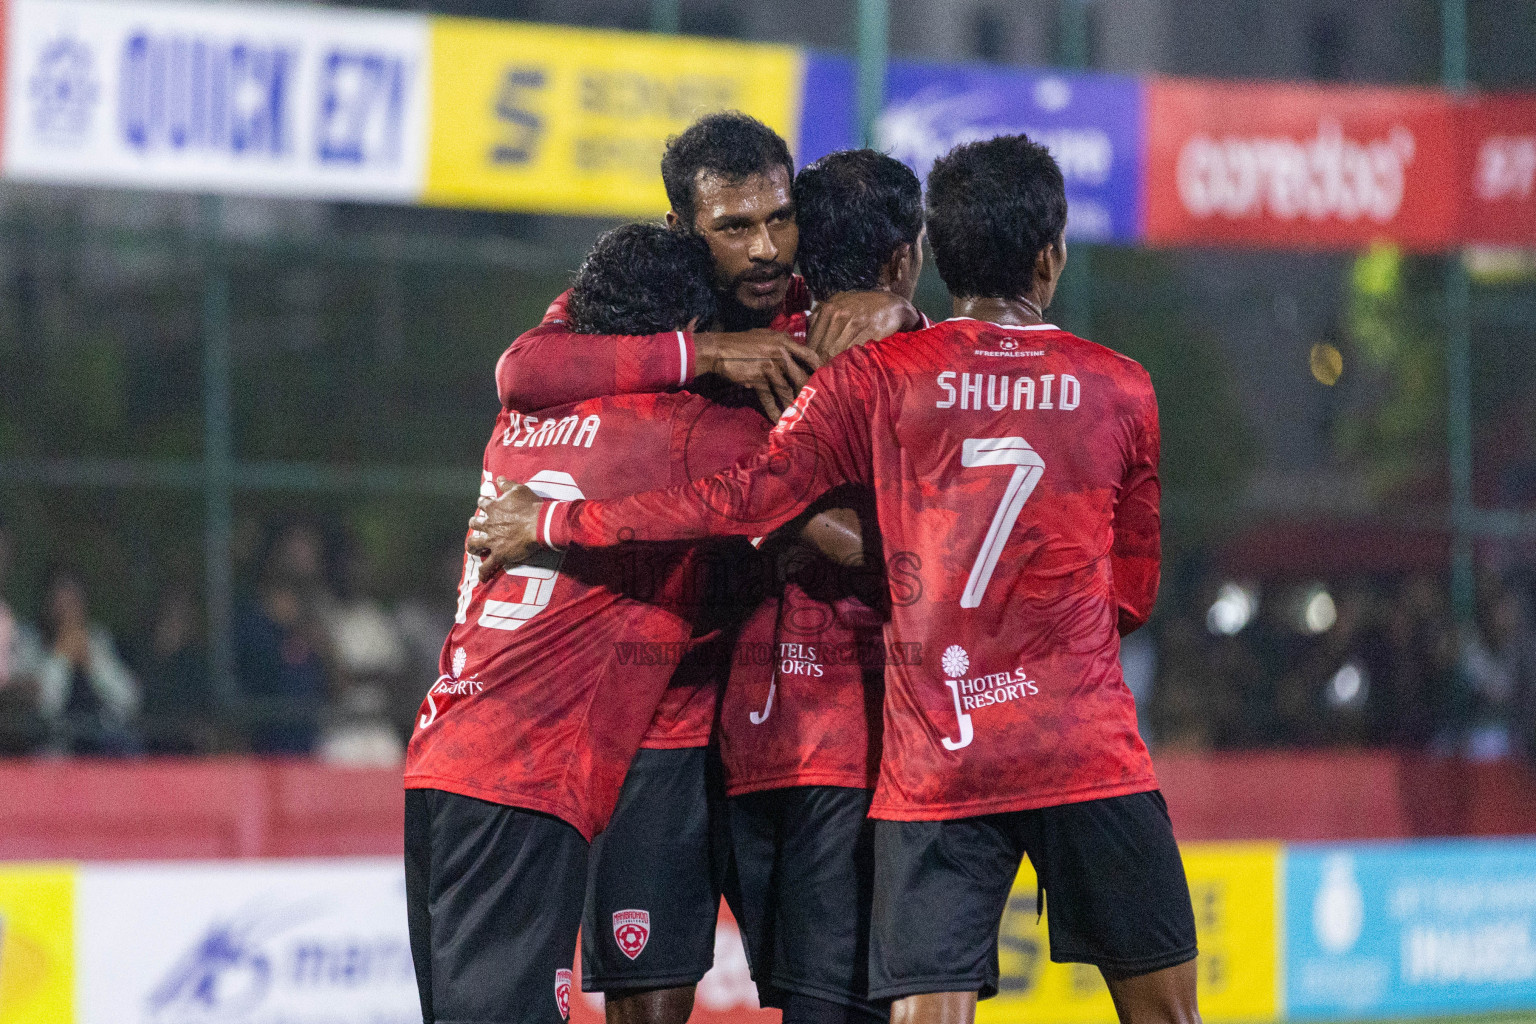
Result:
pixel 1349 685
pixel 1233 609
pixel 1318 614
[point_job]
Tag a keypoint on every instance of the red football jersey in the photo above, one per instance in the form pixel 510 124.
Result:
pixel 1015 474
pixel 685 717
pixel 549 366
pixel 803 704
pixel 806 688
pixel 554 670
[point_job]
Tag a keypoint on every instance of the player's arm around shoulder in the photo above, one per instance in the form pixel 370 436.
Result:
pixel 550 365
pixel 848 319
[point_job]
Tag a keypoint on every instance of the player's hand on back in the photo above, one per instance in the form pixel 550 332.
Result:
pixel 505 530
pixel 769 362
pixel 852 318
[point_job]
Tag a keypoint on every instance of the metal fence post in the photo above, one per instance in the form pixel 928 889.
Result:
pixel 666 17
pixel 873 50
pixel 218 456
pixel 1076 285
pixel 1458 348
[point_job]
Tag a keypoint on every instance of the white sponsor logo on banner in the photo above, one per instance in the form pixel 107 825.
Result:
pixel 220 97
pixel 1330 176
pixel 274 943
pixel 920 129
pixel 1506 167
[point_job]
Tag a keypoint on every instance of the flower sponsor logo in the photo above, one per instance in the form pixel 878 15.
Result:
pixel 449 686
pixel 955 661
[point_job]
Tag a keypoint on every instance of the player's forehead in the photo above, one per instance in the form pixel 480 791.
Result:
pixel 757 196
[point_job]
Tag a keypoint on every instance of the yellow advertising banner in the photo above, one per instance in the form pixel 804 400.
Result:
pixel 561 120
pixel 37 931
pixel 1235 892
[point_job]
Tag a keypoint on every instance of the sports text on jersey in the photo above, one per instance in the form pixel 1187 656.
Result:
pixel 532 432
pixel 1001 390
pixel 450 686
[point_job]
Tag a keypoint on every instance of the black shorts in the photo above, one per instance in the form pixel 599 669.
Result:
pixel 805 869
pixel 1109 869
pixel 653 891
pixel 493 895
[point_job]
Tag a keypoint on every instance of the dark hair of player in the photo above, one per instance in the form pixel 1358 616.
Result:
pixel 993 206
pixel 729 144
pixel 642 279
pixel 854 208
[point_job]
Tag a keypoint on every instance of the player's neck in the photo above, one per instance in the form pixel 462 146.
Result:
pixel 1006 312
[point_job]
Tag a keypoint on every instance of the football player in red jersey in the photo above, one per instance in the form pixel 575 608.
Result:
pixel 799 731
pixel 648 933
pixel 728 179
pixel 525 739
pixel 1015 471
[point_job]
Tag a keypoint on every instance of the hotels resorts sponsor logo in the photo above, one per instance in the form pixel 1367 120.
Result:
pixel 796 410
pixel 978 692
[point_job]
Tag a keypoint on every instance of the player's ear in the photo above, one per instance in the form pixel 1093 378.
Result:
pixel 897 267
pixel 1051 260
pixel 1043 268
pixel 673 219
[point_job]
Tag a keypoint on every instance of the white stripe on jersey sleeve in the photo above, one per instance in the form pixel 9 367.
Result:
pixel 549 516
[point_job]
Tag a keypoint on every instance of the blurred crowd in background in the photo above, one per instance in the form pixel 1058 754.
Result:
pixel 326 667
pixel 1359 662
pixel 322 665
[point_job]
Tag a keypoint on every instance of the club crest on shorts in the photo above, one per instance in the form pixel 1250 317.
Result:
pixel 563 992
pixel 631 930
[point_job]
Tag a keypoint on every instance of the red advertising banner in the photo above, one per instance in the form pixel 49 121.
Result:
pixel 1498 151
pixel 1299 166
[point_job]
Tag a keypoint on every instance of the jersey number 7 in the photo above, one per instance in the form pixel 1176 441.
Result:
pixel 1028 468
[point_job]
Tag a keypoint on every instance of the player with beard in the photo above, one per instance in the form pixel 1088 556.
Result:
pixel 728 179
pixel 1017 465
pixel 800 735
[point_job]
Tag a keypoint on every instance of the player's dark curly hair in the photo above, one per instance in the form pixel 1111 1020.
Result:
pixel 642 279
pixel 729 144
pixel 854 208
pixel 992 207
